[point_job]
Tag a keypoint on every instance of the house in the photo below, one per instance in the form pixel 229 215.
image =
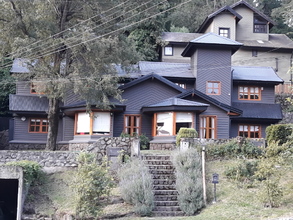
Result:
pixel 209 94
pixel 247 25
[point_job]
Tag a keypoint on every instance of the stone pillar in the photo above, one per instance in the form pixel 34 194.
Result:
pixel 135 147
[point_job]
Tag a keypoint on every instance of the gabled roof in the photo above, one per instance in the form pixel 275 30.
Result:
pixel 262 111
pixel 210 40
pixel 151 76
pixel 211 16
pixel 211 100
pixel 253 73
pixel 242 2
pixel 175 104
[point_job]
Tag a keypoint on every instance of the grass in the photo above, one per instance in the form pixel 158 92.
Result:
pixel 233 201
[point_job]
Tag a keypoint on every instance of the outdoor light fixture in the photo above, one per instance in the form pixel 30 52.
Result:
pixel 23 118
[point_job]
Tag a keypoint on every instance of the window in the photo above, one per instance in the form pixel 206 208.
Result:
pixel 132 124
pixel 168 51
pixel 249 131
pixel 225 32
pixel 98 123
pixel 254 53
pixel 182 85
pixel 34 87
pixel 208 127
pixel 38 125
pixel 169 123
pixel 249 93
pixel 213 88
pixel 260 25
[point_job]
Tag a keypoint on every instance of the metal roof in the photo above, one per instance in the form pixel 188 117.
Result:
pixel 28 103
pixel 179 37
pixel 178 102
pixel 252 73
pixel 261 111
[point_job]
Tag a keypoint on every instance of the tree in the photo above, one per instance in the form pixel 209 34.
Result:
pixel 69 45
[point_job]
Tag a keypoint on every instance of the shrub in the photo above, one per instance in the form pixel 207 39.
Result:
pixel 185 133
pixel 136 186
pixel 189 180
pixel 32 171
pixel 144 140
pixel 92 182
pixel 280 133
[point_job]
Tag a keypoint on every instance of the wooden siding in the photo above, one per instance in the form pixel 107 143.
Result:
pixel 244 28
pixel 225 20
pixel 285 88
pixel 267 94
pixel 215 65
pixel 176 57
pixel 68 128
pixel 71 98
pixel 23 88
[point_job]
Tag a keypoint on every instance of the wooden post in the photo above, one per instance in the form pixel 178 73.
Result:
pixel 203 176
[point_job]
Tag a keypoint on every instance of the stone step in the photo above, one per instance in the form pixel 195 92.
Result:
pixel 166 208
pixel 161 171
pixel 164 187
pixel 156 157
pixel 168 213
pixel 166 203
pixel 160 167
pixel 165 192
pixel 164 176
pixel 158 162
pixel 166 198
pixel 164 182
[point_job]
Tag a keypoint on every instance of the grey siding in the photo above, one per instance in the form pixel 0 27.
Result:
pixel 68 128
pixel 23 88
pixel 214 65
pixel 71 98
pixel 267 93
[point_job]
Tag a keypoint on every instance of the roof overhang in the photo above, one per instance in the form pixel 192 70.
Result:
pixel 174 109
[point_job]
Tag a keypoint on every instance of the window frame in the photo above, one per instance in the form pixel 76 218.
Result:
pixel 167 53
pixel 41 126
pixel 259 24
pixel 227 35
pixel 174 122
pixel 202 129
pixel 132 127
pixel 249 93
pixel 249 130
pixel 91 124
pixel 213 88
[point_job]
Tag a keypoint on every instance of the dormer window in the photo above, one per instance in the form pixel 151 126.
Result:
pixel 225 32
pixel 259 25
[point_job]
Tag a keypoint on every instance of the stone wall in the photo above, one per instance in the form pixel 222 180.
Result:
pixel 34 146
pixel 162 146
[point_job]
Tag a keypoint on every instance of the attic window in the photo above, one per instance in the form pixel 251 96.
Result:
pixel 224 32
pixel 168 51
pixel 259 24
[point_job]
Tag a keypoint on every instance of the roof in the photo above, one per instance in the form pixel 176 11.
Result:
pixel 242 2
pixel 151 76
pixel 280 41
pixel 211 16
pixel 179 37
pixel 262 111
pixel 210 40
pixel 19 66
pixel 166 69
pixel 211 100
pixel 176 104
pixel 252 73
pixel 28 103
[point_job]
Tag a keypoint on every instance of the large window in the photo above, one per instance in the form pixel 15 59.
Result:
pixel 260 25
pixel 225 32
pixel 97 123
pixel 249 131
pixel 249 93
pixel 132 124
pixel 169 123
pixel 38 125
pixel 213 88
pixel 208 125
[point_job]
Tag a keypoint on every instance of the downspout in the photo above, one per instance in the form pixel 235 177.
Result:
pixel 291 66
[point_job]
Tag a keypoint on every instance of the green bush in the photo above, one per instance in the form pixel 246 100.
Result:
pixel 189 180
pixel 185 133
pixel 279 133
pixel 136 186
pixel 144 140
pixel 32 171
pixel 91 183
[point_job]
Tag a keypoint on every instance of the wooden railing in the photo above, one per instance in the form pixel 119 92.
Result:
pixel 286 88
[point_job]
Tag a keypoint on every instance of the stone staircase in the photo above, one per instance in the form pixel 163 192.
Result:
pixel 162 170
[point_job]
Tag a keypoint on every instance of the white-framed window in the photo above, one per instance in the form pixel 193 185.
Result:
pixel 168 51
pixel 94 123
pixel 225 32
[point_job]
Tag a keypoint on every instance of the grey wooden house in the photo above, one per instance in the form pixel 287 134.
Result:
pixel 209 94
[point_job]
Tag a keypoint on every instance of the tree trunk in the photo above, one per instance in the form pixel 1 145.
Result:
pixel 53 119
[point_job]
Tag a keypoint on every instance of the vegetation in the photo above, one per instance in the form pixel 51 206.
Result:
pixel 144 140
pixel 92 182
pixel 185 133
pixel 189 180
pixel 280 133
pixel 136 186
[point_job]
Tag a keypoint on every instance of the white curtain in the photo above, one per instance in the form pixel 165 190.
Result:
pixel 165 123
pixel 183 117
pixel 83 123
pixel 101 122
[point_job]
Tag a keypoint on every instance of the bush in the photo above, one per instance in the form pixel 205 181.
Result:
pixel 92 182
pixel 280 133
pixel 185 133
pixel 136 186
pixel 189 180
pixel 144 140
pixel 32 171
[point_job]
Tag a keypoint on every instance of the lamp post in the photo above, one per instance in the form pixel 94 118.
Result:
pixel 215 181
